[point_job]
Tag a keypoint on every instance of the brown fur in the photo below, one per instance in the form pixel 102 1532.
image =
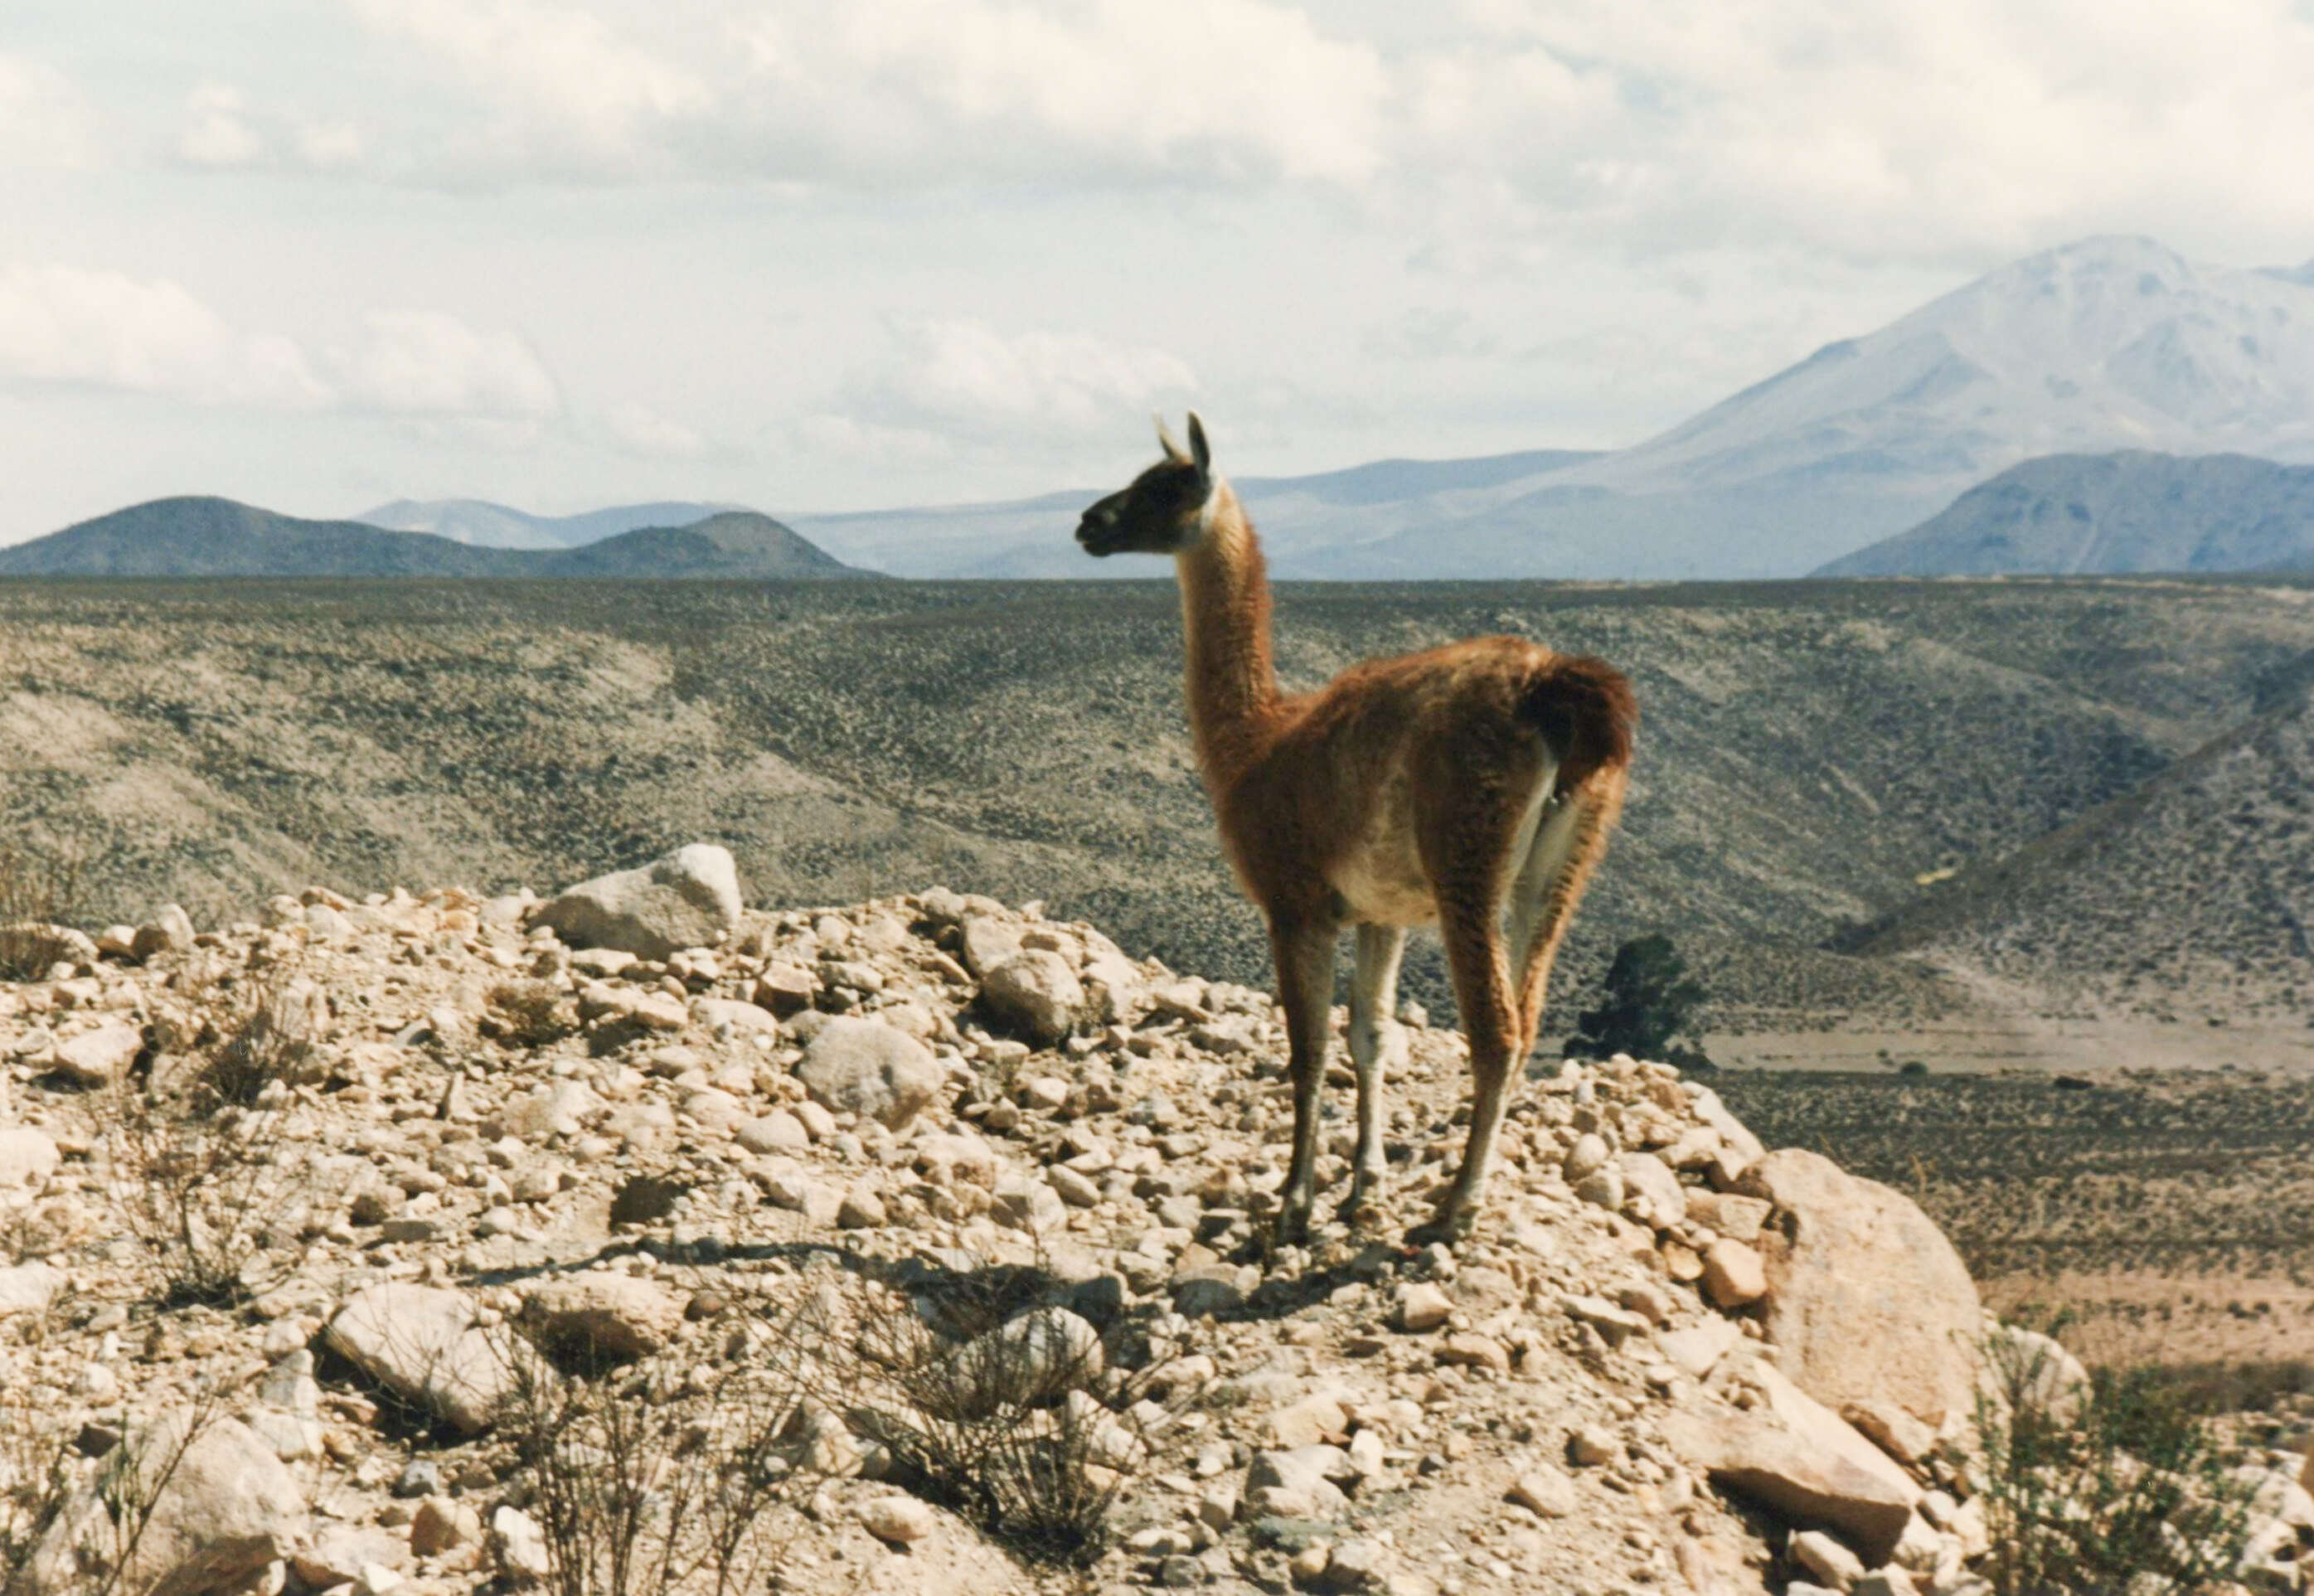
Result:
pixel 1408 790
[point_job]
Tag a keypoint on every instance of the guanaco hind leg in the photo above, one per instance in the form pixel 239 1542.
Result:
pixel 1376 1040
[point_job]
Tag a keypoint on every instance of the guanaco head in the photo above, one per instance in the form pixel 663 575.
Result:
pixel 1161 510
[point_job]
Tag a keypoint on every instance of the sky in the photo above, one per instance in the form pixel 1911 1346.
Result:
pixel 828 254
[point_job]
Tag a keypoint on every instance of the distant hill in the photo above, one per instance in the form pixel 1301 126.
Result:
pixel 2110 514
pixel 217 537
pixel 502 527
pixel 735 543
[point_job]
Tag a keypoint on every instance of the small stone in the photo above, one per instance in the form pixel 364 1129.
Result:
pixel 1035 995
pixel 866 1067
pixel 861 1209
pixel 1307 1423
pixel 1545 1492
pixel 519 1547
pixel 441 1525
pixel 1733 1273
pixel 1422 1307
pixel 420 1476
pixel 1078 1191
pixel 901 1520
pixel 1827 1559
pixel 1593 1445
pixel 776 1132
pixel 1474 1351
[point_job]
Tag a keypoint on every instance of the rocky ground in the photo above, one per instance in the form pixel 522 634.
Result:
pixel 918 1244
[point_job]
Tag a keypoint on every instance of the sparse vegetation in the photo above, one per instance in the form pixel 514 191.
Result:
pixel 37 891
pixel 646 1484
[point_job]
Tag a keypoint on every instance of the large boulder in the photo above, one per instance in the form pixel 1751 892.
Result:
pixel 1866 1299
pixel 422 1344
pixel 1795 1456
pixel 689 899
pixel 866 1067
pixel 222 1507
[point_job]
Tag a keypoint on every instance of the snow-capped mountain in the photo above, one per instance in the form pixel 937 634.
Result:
pixel 499 526
pixel 2106 344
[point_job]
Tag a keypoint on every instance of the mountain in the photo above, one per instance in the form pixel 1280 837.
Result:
pixel 501 527
pixel 2081 515
pixel 1305 521
pixel 217 537
pixel 2102 345
pixel 735 543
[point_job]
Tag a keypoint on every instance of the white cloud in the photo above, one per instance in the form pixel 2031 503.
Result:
pixel 962 377
pixel 45 120
pixel 567 90
pixel 1921 128
pixel 899 90
pixel 639 429
pixel 217 130
pixel 1225 88
pixel 415 362
pixel 106 330
pixel 62 325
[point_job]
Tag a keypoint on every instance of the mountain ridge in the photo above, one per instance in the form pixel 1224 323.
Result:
pixel 206 536
pixel 2126 513
pixel 490 525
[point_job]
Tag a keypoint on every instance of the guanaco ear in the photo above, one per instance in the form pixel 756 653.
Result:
pixel 1200 452
pixel 1167 442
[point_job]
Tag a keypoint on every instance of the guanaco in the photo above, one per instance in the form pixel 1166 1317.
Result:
pixel 1471 787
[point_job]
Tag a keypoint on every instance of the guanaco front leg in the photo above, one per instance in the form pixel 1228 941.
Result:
pixel 1305 951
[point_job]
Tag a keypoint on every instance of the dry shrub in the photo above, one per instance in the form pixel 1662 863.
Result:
pixel 36 893
pixel 35 1477
pixel 529 1013
pixel 210 1200
pixel 649 1479
pixel 986 1394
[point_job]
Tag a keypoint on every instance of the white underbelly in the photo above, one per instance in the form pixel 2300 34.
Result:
pixel 1383 882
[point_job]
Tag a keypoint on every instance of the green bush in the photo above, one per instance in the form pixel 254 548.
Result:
pixel 1647 1001
pixel 2091 1488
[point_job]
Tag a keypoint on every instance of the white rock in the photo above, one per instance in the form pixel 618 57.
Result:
pixel 223 1509
pixel 519 1547
pixel 865 1067
pixel 688 899
pixel 422 1344
pixel 901 1520
pixel 102 1056
pixel 1034 995
pixel 28 1157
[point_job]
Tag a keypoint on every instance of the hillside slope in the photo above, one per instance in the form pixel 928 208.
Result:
pixel 2193 890
pixel 217 537
pixel 1807 751
pixel 2081 514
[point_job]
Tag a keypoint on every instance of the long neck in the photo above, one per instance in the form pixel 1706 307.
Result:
pixel 1225 615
